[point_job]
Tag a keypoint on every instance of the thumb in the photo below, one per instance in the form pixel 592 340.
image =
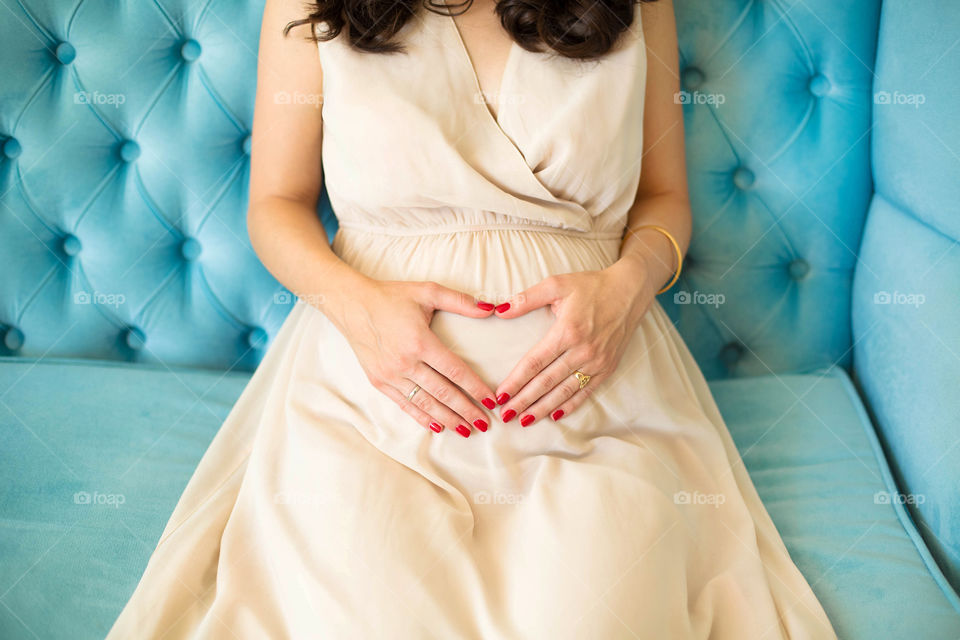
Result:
pixel 542 294
pixel 443 298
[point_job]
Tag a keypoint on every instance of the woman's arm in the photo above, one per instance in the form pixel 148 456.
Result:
pixel 285 171
pixel 386 323
pixel 662 197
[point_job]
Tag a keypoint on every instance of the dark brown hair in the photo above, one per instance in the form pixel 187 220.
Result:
pixel 583 29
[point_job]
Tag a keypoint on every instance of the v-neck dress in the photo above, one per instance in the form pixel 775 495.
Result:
pixel 321 510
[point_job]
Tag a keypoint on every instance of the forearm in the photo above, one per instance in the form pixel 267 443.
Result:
pixel 648 249
pixel 292 244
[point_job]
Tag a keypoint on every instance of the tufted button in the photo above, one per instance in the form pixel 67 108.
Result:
pixel 70 244
pixel 798 269
pixel 65 53
pixel 247 144
pixel 134 338
pixel 129 151
pixel 257 337
pixel 731 353
pixel 743 178
pixel 12 148
pixel 190 249
pixel 692 78
pixel 190 50
pixel 819 85
pixel 13 338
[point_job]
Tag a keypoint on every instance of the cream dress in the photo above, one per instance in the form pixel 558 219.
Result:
pixel 321 510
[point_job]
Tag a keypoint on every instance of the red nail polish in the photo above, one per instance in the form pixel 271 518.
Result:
pixel 486 306
pixel 526 420
pixel 502 307
pixel 508 415
pixel 436 426
pixel 462 430
pixel 480 424
pixel 488 403
pixel 556 415
pixel 502 398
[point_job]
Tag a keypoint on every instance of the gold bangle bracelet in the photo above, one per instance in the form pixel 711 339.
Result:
pixel 676 247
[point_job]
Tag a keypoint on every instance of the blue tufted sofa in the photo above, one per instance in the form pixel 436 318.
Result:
pixel 820 295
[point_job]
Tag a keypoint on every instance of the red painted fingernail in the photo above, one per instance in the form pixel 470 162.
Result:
pixel 488 403
pixel 502 307
pixel 436 426
pixel 486 306
pixel 480 424
pixel 526 420
pixel 462 430
pixel 508 415
pixel 556 415
pixel 502 398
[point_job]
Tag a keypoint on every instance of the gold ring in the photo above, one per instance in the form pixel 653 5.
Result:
pixel 412 393
pixel 582 378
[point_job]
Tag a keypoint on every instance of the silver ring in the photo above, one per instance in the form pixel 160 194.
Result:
pixel 412 393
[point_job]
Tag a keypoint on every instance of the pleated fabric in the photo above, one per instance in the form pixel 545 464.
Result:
pixel 321 510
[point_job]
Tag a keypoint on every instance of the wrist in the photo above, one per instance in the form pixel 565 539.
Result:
pixel 337 288
pixel 652 251
pixel 632 279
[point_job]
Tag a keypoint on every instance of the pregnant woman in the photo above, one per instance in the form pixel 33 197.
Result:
pixel 477 421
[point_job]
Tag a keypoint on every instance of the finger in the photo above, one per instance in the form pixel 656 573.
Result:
pixel 450 395
pixel 431 406
pixel 562 395
pixel 412 410
pixel 570 404
pixel 545 292
pixel 444 298
pixel 438 356
pixel 538 358
pixel 557 373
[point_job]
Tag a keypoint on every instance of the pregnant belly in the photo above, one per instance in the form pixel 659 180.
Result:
pixel 492 264
pixel 492 346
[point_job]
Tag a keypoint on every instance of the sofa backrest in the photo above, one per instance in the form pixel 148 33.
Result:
pixel 123 170
pixel 123 179
pixel 906 303
pixel 778 100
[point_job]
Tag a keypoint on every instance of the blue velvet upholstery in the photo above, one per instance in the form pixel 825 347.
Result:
pixel 906 304
pixel 123 167
pixel 123 174
pixel 777 102
pixel 88 482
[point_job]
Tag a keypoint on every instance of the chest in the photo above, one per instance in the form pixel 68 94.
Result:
pixel 488 47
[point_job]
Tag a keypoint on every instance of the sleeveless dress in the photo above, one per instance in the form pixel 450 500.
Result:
pixel 321 510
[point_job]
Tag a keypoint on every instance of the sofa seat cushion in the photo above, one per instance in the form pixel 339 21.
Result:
pixel 818 467
pixel 93 457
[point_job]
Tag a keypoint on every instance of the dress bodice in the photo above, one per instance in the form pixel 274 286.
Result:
pixel 408 139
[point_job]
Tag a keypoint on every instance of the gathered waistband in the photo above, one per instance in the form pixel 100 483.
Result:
pixel 451 229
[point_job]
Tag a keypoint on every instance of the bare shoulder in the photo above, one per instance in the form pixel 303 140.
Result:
pixel 287 124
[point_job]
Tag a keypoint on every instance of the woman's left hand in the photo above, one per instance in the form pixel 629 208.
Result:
pixel 596 315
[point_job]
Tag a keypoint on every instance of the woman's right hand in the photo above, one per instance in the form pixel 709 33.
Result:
pixel 387 324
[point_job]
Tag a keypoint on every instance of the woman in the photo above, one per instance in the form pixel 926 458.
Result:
pixel 477 422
